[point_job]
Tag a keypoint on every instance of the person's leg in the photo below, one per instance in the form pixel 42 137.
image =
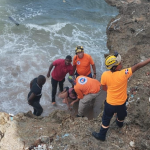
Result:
pixel 94 97
pixel 84 104
pixel 107 115
pixel 38 108
pixel 76 74
pixel 61 85
pixel 121 114
pixel 54 88
pixel 34 111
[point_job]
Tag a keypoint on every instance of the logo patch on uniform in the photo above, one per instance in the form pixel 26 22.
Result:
pixel 82 80
pixel 78 62
pixel 126 71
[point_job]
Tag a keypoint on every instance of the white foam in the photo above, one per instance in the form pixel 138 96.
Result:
pixel 50 28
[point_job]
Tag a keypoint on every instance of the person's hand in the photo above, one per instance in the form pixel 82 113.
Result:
pixel 48 74
pixel 71 104
pixel 74 76
pixel 94 76
pixel 70 108
pixel 29 102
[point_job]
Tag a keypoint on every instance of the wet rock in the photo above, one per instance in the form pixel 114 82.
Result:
pixel 3 118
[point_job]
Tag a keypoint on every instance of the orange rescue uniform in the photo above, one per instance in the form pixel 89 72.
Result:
pixel 116 83
pixel 83 64
pixel 85 85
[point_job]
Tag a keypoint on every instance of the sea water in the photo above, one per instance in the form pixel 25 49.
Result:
pixel 48 30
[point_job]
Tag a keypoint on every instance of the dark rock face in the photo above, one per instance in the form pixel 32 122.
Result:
pixel 131 27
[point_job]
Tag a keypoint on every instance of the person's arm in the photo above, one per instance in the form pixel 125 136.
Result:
pixel 31 84
pixel 74 68
pixel 71 71
pixel 71 104
pixel 74 63
pixel 66 100
pixel 94 71
pixel 49 71
pixel 104 87
pixel 30 99
pixel 140 65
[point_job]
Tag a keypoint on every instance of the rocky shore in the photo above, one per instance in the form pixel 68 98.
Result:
pixel 128 33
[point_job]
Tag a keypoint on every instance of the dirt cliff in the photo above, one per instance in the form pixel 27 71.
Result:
pixel 128 33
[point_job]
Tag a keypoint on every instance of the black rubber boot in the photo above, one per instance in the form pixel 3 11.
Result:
pixel 120 124
pixel 101 135
pixel 79 116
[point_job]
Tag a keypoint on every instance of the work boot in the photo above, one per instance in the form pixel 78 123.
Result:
pixel 97 136
pixel 79 116
pixel 101 135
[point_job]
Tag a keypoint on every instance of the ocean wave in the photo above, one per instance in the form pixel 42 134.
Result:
pixel 47 31
pixel 51 28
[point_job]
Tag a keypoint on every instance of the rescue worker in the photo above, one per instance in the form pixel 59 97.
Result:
pixel 87 89
pixel 114 82
pixel 82 63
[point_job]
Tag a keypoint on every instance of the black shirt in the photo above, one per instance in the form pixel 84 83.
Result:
pixel 36 89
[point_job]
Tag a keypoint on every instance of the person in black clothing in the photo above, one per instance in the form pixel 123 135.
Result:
pixel 36 93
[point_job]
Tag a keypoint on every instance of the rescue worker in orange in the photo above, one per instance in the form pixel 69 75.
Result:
pixel 82 63
pixel 87 89
pixel 114 82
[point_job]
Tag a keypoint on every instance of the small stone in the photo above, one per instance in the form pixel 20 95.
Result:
pixel 132 144
pixel 85 118
pixel 132 96
pixel 134 92
pixel 45 139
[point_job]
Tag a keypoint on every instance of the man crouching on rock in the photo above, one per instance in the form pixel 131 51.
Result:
pixel 114 82
pixel 87 89
pixel 36 93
